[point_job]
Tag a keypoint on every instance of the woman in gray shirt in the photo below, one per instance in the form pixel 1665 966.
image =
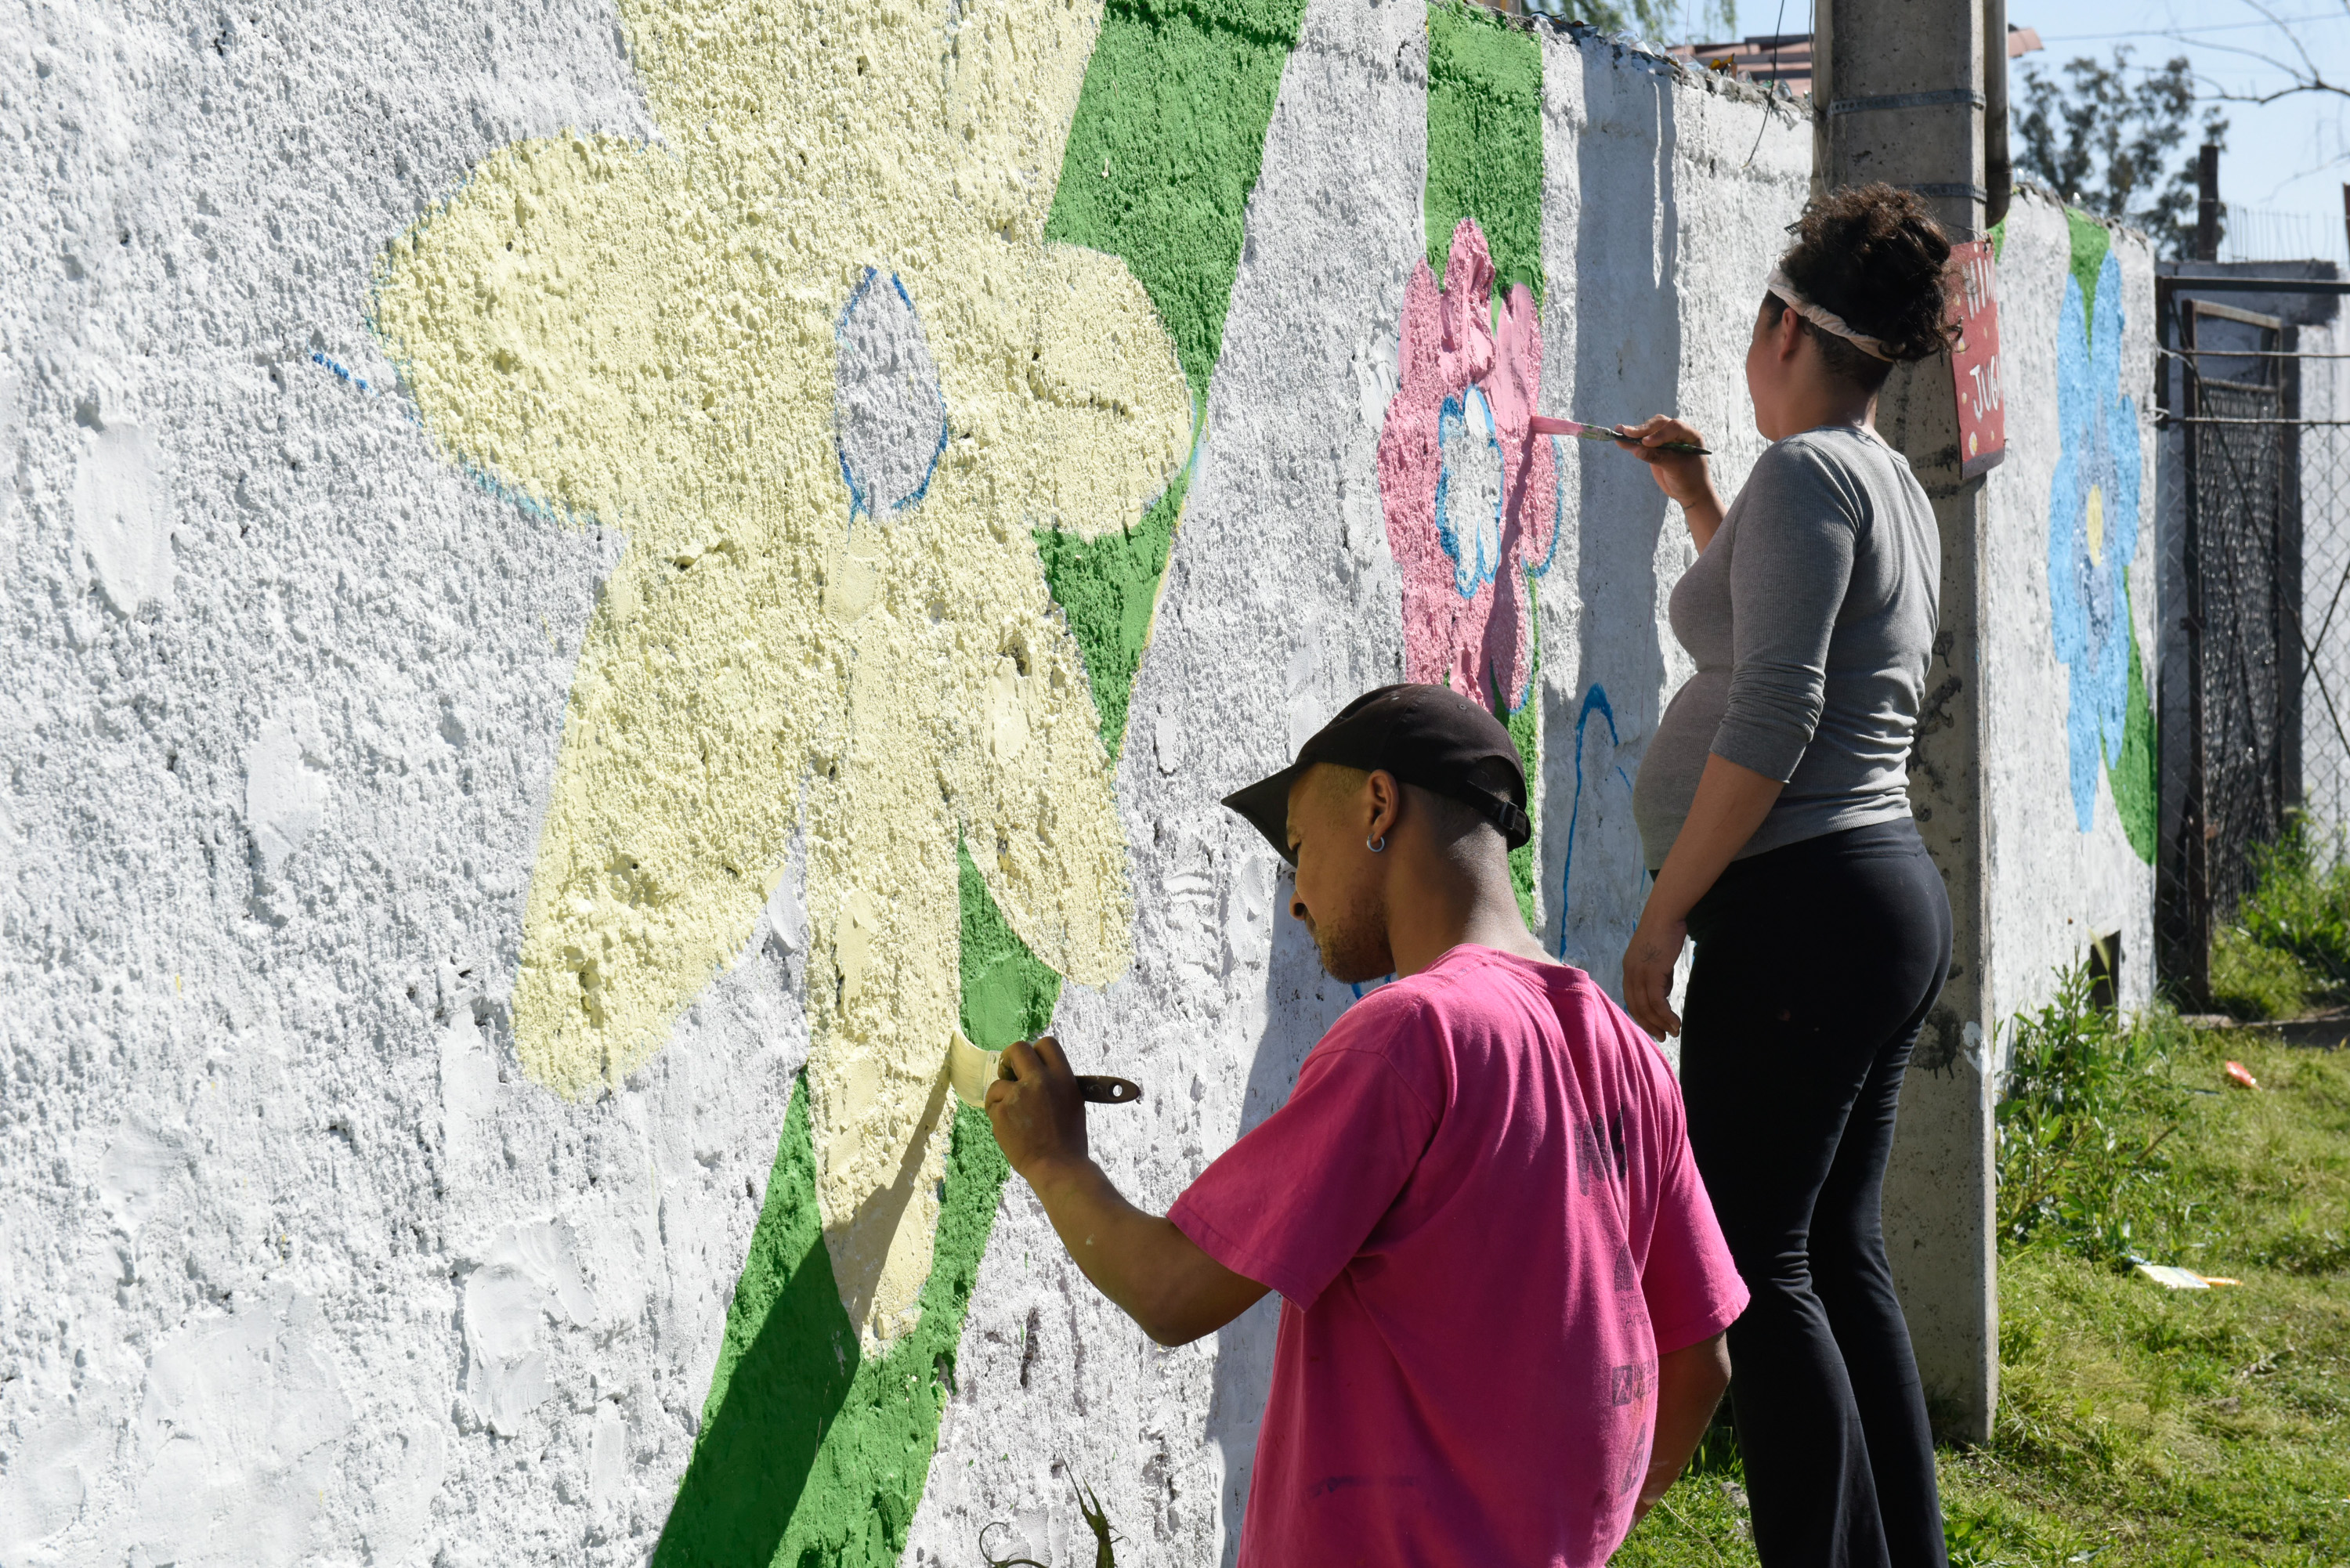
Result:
pixel 1773 808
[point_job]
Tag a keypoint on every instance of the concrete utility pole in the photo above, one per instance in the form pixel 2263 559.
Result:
pixel 1901 86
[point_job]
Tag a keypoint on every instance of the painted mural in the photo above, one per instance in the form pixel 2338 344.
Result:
pixel 898 478
pixel 634 641
pixel 2093 535
pixel 1470 497
pixel 1598 906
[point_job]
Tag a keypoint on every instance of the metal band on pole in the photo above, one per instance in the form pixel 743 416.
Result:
pixel 1971 96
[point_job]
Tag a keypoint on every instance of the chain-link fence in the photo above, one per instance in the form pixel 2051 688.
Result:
pixel 2255 593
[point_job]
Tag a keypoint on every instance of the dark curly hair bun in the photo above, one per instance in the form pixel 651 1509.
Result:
pixel 1875 256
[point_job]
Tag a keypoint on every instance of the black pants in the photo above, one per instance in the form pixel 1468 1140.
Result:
pixel 1815 966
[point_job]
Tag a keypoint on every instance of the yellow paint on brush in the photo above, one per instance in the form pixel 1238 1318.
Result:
pixel 644 335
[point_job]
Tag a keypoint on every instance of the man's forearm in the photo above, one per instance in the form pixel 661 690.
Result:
pixel 1688 1385
pixel 1152 1271
pixel 1156 1274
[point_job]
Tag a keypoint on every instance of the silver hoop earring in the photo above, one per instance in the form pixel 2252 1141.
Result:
pixel 1376 846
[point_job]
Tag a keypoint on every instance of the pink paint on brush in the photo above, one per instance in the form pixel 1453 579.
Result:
pixel 1543 425
pixel 1465 546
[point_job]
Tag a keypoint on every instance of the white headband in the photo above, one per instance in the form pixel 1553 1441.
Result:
pixel 1826 320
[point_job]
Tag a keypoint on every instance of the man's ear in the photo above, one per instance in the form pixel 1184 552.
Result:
pixel 1386 798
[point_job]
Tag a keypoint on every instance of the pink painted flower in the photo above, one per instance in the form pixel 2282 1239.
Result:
pixel 1471 497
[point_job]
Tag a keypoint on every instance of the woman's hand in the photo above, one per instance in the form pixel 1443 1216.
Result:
pixel 1730 805
pixel 1649 960
pixel 1683 476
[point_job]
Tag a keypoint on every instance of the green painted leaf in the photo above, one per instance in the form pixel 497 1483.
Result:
pixel 2130 770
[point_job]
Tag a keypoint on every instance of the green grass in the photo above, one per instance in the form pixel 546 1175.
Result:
pixel 2139 1426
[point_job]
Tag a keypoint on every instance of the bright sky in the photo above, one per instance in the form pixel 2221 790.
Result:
pixel 2289 158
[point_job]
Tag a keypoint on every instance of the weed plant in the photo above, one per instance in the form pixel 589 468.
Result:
pixel 2090 1103
pixel 2289 946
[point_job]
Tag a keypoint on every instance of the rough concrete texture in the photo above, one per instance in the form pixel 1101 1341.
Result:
pixel 1254 649
pixel 2068 600
pixel 518 756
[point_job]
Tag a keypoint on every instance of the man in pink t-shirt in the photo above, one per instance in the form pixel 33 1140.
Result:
pixel 1503 1288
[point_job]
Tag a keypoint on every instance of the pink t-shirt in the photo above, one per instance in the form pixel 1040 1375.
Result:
pixel 1481 1211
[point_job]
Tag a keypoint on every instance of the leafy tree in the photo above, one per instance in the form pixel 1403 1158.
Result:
pixel 2104 144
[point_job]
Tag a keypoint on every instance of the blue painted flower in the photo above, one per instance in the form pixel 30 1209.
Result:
pixel 2093 522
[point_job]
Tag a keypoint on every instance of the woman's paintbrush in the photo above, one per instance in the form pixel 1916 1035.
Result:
pixel 1539 424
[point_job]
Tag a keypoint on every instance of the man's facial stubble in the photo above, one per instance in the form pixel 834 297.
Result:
pixel 1354 941
pixel 1347 913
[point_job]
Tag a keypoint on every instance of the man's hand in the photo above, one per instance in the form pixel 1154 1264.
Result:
pixel 1156 1273
pixel 1039 1120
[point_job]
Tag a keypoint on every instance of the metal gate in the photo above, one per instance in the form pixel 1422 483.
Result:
pixel 2261 499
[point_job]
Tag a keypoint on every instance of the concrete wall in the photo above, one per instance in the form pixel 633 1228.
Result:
pixel 2068 666
pixel 584 584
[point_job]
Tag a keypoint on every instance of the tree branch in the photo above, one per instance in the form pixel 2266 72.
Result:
pixel 2307 77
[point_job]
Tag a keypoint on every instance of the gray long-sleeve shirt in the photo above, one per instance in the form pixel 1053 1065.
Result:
pixel 1811 615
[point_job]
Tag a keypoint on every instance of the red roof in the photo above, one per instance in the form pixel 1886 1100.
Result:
pixel 1780 58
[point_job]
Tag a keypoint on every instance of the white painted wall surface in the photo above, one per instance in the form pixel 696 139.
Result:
pixel 1656 234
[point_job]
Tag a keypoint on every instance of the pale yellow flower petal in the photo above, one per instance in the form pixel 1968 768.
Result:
pixel 645 336
pixel 1076 401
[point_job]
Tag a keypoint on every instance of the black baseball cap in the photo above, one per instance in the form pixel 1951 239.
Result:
pixel 1431 736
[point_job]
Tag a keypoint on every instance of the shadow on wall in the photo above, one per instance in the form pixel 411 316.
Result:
pixel 809 1447
pixel 1598 908
pixel 1627 354
pixel 804 1443
pixel 1301 1002
pixel 753 1458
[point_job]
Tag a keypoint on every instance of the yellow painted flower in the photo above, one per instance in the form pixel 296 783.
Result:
pixel 812 356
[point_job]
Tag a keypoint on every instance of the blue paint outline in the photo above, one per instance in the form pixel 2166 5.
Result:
pixel 488 484
pixel 1596 698
pixel 1453 414
pixel 938 451
pixel 355 380
pixel 860 500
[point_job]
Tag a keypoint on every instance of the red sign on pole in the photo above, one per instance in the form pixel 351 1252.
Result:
pixel 1974 359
